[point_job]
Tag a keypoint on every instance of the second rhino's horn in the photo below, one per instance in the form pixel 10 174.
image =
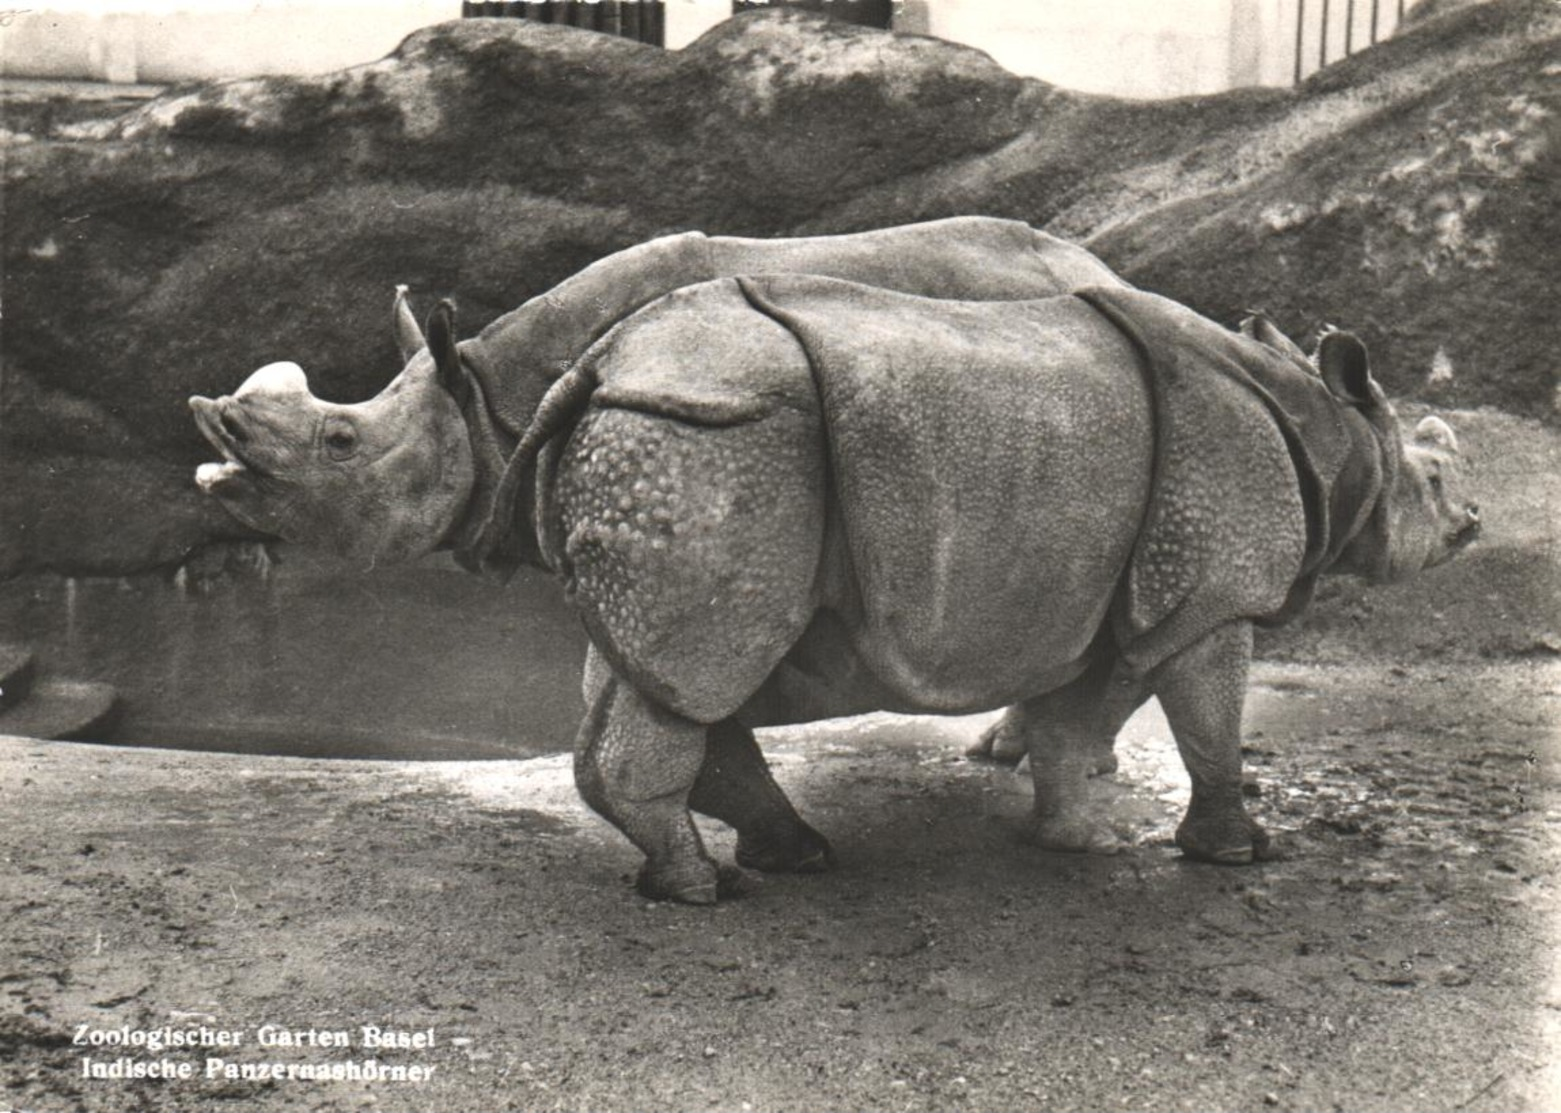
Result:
pixel 1434 431
pixel 275 378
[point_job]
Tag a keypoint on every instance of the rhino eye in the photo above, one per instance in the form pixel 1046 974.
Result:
pixel 1435 483
pixel 341 440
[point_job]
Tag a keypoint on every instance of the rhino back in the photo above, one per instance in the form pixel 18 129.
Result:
pixel 974 258
pixel 990 464
pixel 979 258
pixel 520 354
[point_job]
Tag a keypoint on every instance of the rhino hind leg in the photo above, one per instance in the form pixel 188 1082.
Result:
pixel 1065 733
pixel 1202 690
pixel 735 786
pixel 636 764
pixel 1004 743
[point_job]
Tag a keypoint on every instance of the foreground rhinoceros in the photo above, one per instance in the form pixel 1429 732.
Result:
pixel 783 498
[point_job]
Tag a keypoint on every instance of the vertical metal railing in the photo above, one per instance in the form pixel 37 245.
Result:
pixel 1323 13
pixel 641 20
pixel 1300 36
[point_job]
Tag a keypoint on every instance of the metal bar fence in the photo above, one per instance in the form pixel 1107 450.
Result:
pixel 1326 31
pixel 641 20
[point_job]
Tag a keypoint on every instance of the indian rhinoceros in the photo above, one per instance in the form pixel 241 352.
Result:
pixel 778 498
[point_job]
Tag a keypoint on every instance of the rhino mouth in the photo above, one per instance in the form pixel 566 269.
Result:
pixel 226 433
pixel 1456 541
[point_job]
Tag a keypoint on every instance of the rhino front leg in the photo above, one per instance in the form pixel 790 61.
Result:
pixel 636 764
pixel 735 786
pixel 1202 691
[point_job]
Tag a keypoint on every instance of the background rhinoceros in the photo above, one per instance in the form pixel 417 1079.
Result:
pixel 511 365
pixel 788 497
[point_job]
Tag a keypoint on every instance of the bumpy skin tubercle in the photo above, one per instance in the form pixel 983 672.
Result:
pixel 692 523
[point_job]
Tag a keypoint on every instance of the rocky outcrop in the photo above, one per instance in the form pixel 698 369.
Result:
pixel 1410 193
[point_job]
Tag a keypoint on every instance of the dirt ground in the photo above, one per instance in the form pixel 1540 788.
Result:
pixel 1402 955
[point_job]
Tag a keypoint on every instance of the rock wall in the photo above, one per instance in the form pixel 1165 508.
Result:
pixel 1410 193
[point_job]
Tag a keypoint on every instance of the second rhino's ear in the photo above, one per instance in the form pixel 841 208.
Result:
pixel 1260 328
pixel 447 357
pixel 1344 366
pixel 409 338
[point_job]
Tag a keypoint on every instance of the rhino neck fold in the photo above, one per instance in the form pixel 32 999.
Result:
pixel 1361 496
pixel 492 445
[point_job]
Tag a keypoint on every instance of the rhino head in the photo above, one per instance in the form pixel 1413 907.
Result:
pixel 1421 516
pixel 381 480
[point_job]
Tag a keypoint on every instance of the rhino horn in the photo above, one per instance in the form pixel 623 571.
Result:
pixel 1346 369
pixel 447 357
pixel 409 338
pixel 1436 433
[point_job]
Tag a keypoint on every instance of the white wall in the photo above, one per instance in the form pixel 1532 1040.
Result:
pixel 1144 48
pixel 161 41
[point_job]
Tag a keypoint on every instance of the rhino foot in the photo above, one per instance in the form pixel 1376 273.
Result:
pixel 689 887
pixel 1074 836
pixel 1001 742
pixel 801 850
pixel 1234 841
pixel 698 883
pixel 731 883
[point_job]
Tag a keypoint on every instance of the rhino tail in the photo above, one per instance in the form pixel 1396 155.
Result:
pixel 563 403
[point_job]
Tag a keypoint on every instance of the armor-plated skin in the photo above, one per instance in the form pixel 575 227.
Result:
pixel 776 500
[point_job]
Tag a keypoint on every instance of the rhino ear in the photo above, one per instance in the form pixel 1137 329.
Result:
pixel 447 357
pixel 1260 328
pixel 1342 360
pixel 409 338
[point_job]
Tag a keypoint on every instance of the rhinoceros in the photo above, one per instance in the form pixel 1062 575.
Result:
pixel 779 497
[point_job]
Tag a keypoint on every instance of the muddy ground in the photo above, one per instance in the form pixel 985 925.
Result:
pixel 1400 956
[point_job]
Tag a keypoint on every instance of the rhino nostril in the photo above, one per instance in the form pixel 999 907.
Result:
pixel 1473 512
